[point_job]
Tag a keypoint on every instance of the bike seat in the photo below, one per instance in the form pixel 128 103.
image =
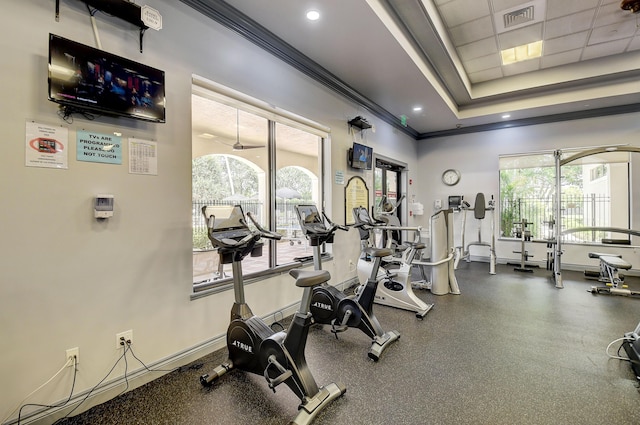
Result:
pixel 307 278
pixel 378 252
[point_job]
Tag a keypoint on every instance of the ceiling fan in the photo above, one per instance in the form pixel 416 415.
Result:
pixel 632 5
pixel 237 146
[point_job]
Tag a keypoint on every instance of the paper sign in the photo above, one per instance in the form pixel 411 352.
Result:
pixel 96 147
pixel 143 157
pixel 46 146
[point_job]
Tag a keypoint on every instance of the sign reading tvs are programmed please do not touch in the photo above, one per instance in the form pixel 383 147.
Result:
pixel 96 147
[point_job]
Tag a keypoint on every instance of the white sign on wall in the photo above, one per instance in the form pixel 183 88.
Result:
pixel 46 146
pixel 143 157
pixel 151 17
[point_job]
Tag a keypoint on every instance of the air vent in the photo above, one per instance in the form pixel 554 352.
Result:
pixel 518 17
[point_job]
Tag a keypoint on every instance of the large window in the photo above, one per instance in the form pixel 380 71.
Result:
pixel 595 193
pixel 263 160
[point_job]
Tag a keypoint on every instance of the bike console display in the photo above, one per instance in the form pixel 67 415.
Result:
pixel 313 225
pixel 229 233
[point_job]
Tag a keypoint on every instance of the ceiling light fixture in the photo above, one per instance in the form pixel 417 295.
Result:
pixel 206 136
pixel 521 53
pixel 632 5
pixel 417 108
pixel 505 116
pixel 313 15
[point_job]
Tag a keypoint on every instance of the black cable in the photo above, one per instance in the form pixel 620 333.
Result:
pixel 65 112
pixel 93 389
pixel 145 366
pixel 51 406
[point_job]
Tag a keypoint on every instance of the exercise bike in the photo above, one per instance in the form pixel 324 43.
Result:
pixel 329 305
pixel 253 346
pixel 394 289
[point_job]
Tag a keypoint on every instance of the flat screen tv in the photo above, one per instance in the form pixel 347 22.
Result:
pixel 87 79
pixel 361 157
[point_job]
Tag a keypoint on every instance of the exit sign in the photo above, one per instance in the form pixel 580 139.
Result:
pixel 151 17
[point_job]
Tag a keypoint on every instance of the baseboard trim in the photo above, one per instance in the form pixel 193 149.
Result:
pixel 112 388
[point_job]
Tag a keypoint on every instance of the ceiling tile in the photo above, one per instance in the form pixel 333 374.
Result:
pixel 549 61
pixel 482 63
pixel 557 8
pixel 486 75
pixel 566 43
pixel 521 67
pixel 612 13
pixel 604 49
pixel 520 36
pixel 612 32
pixel 472 31
pixel 569 24
pixel 478 49
pixel 499 5
pixel 458 12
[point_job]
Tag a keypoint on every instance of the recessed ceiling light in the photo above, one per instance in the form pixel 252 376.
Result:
pixel 313 15
pixel 206 136
pixel 417 108
pixel 521 53
pixel 505 116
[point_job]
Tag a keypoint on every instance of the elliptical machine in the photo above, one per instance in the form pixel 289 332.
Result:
pixel 253 346
pixel 329 305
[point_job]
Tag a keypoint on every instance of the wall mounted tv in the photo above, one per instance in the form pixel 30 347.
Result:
pixel 83 78
pixel 361 157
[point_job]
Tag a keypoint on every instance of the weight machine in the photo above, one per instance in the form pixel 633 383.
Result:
pixel 559 162
pixel 479 213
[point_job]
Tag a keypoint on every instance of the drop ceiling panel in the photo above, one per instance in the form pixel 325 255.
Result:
pixel 569 24
pixel 478 49
pixel 566 43
pixel 557 8
pixel 472 31
pixel 604 49
pixel 563 58
pixel 458 12
pixel 480 64
pixel 612 32
pixel 520 36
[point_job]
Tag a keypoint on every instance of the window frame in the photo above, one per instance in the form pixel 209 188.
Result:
pixel 546 159
pixel 274 115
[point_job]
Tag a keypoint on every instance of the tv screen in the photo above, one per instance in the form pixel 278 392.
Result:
pixel 362 157
pixel 90 79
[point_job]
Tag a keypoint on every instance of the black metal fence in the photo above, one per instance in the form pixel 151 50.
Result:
pixel 589 210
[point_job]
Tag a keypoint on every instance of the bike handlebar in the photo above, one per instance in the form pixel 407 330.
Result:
pixel 262 231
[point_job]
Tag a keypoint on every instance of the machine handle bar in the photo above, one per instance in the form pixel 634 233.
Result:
pixel 262 231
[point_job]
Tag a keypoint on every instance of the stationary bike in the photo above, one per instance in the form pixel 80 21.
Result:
pixel 253 346
pixel 329 305
pixel 395 288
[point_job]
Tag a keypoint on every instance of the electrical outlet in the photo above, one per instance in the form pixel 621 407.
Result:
pixel 71 353
pixel 123 338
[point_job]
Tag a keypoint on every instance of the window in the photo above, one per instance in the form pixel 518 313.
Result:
pixel 264 159
pixel 595 193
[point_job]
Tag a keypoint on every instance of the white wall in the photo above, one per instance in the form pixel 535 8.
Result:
pixel 476 156
pixel 70 281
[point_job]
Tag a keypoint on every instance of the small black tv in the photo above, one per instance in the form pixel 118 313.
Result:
pixel 88 79
pixel 361 157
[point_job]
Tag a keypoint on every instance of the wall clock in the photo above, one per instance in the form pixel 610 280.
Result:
pixel 451 177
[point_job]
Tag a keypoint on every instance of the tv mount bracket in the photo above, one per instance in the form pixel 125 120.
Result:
pixel 122 9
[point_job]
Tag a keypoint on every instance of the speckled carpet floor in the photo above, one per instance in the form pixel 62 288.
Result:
pixel 511 349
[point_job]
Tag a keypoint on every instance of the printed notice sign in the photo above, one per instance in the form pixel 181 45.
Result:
pixel 143 157
pixel 46 146
pixel 96 147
